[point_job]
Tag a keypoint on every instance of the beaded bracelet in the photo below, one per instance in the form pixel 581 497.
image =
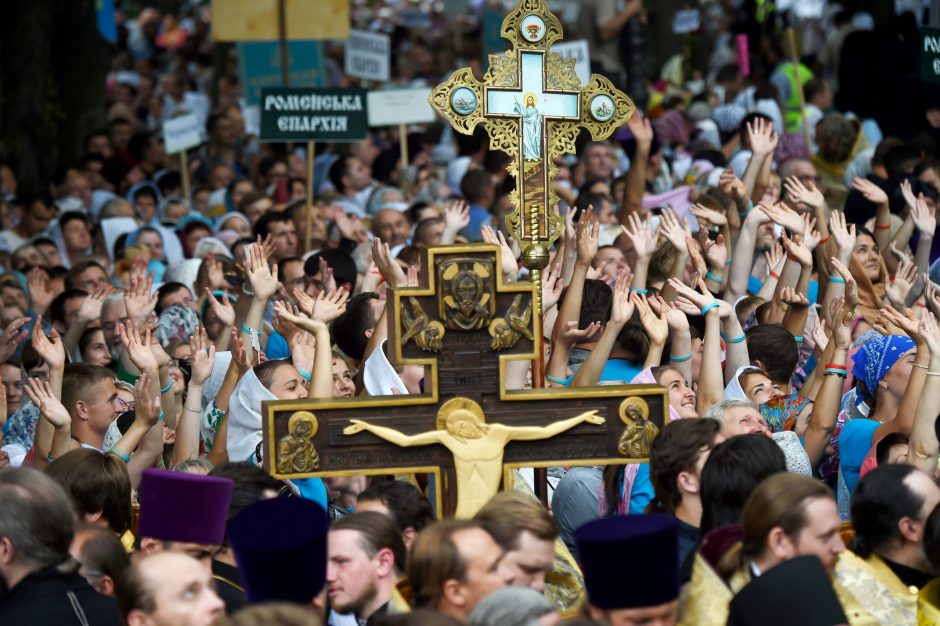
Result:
pixel 191 410
pixel 680 359
pixel 305 375
pixel 708 307
pixel 837 279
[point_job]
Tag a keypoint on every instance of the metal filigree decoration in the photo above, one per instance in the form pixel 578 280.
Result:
pixel 428 335
pixel 445 95
pixel 518 26
pixel 560 74
pixel 504 70
pixel 504 134
pixel 601 88
pixel 295 451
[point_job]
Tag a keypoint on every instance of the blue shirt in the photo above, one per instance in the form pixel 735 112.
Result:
pixel 478 218
pixel 615 369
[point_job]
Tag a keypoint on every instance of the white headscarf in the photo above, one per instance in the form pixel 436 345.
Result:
pixel 379 377
pixel 734 390
pixel 244 418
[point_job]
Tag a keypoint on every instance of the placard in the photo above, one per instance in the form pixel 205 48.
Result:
pixel 687 21
pixel 389 107
pixel 930 55
pixel 368 55
pixel 326 114
pixel 181 133
pixel 260 66
pixel 257 20
pixel 577 50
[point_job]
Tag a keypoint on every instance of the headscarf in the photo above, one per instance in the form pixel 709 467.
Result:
pixel 671 128
pixel 876 357
pixel 225 219
pixel 870 294
pixel 782 412
pixel 734 390
pixel 379 376
pixel 244 418
pixel 176 323
pixel 646 378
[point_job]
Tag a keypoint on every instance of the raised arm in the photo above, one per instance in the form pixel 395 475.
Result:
pixel 742 260
pixel 586 244
pixel 907 408
pixel 640 233
pixel 263 284
pixel 701 302
pixel 52 350
pixel 187 431
pixel 656 327
pixel 923 443
pixel 877 196
pixel 763 141
pixel 621 311
pixel 636 178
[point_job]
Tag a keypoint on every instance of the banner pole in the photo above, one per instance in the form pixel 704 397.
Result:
pixel 308 227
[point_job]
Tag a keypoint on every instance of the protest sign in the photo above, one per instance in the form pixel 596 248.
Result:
pixel 260 65
pixel 390 107
pixel 324 114
pixel 687 21
pixel 577 50
pixel 181 133
pixel 930 55
pixel 368 55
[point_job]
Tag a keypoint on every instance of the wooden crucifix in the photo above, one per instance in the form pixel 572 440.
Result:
pixel 465 326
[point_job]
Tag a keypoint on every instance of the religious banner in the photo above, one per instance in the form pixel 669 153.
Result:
pixel 465 326
pixel 390 107
pixel 260 65
pixel 930 55
pixel 298 114
pixel 368 55
pixel 257 20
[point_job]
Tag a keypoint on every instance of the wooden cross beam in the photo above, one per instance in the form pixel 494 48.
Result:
pixel 464 325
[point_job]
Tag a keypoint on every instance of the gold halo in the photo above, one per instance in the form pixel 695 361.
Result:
pixel 525 98
pixel 497 321
pixel 303 415
pixel 455 404
pixel 638 402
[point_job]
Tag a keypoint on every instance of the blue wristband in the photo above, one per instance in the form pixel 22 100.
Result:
pixel 708 307
pixel 728 262
pixel 798 339
pixel 711 276
pixel 120 455
pixel 642 292
pixel 837 279
pixel 680 359
pixel 735 340
pixel 168 387
pixel 249 330
pixel 161 417
pixel 556 380
pixel 305 375
pixel 750 205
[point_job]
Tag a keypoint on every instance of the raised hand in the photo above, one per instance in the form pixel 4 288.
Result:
pixel 716 253
pixel 924 219
pixel 732 186
pixel 13 336
pixel 870 191
pixel 904 279
pixel 673 232
pixel 930 331
pixel 138 346
pixel 224 311
pixel 305 323
pixel 843 235
pixel 851 287
pixel 390 269
pixel 811 236
pixel 50 407
pixel 268 246
pixel 456 216
pixel 146 406
pixel 640 234
pixel 50 349
pixel 909 198
pixel 139 297
pixel 203 356
pixel 906 323
pixel 932 294
pixel 570 334
pixel 841 324
pixel 762 137
pixel 793 298
pixel 328 306
pixel 326 276
pixel 656 326
pixel 90 309
pixel 552 286
pixel 40 294
pixel 641 128
pixel 819 335
pixel 622 307
pixel 262 280
pixel 588 231
pixel 798 193
pixel 783 215
pixel 774 255
pixel 240 356
pixel 350 226
pixel 708 216
pixel 798 251
pixel 506 257
pixel 699 298
pixel 215 273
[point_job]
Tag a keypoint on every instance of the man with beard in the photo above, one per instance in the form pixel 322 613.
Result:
pixel 366 559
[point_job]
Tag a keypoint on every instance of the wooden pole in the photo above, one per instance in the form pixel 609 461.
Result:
pixel 184 174
pixel 795 58
pixel 308 226
pixel 403 140
pixel 282 41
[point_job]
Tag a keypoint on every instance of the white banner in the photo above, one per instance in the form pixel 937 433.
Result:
pixel 367 55
pixel 390 107
pixel 577 50
pixel 181 133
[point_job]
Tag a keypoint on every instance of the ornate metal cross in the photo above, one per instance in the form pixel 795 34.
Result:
pixel 533 107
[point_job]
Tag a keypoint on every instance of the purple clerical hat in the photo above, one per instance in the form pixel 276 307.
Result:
pixel 188 508
pixel 280 548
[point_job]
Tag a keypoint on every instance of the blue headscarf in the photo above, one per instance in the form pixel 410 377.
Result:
pixel 876 357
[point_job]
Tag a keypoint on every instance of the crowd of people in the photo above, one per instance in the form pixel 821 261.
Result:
pixel 769 260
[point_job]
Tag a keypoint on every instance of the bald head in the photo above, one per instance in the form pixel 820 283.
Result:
pixel 169 588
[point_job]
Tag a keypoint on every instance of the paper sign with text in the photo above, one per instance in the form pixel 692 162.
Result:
pixel 181 133
pixel 368 55
pixel 687 21
pixel 297 114
pixel 577 50
pixel 391 107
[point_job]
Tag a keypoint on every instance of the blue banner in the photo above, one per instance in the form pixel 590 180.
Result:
pixel 104 15
pixel 260 64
